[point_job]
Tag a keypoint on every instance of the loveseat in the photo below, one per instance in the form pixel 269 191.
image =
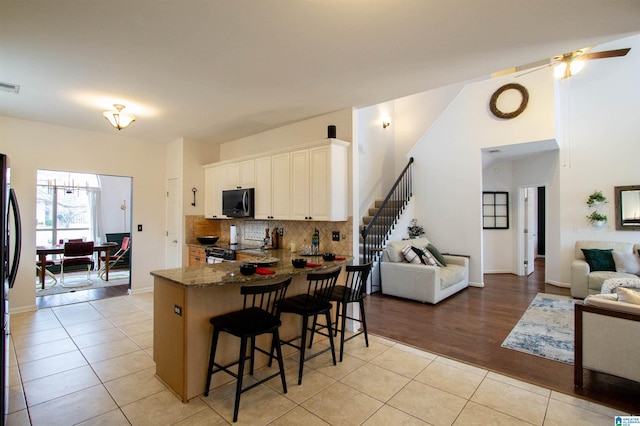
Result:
pixel 418 281
pixel 586 281
pixel 607 337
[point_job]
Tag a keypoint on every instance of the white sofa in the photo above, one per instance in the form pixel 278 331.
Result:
pixel 423 283
pixel 585 282
pixel 607 338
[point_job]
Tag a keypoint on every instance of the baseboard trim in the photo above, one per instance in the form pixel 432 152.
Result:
pixel 558 284
pixel 141 290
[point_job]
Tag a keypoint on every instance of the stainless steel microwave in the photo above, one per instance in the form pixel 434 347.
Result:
pixel 238 202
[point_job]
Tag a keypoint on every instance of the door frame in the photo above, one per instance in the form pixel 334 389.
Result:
pixel 520 269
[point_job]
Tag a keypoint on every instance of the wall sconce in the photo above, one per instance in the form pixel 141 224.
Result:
pixel 386 122
pixel 194 190
pixel 119 119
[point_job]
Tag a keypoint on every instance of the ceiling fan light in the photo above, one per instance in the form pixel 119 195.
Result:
pixel 118 119
pixel 576 66
pixel 559 70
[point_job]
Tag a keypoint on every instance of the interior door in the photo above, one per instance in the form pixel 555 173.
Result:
pixel 174 258
pixel 530 221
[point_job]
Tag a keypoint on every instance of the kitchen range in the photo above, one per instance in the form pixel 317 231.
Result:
pixel 224 252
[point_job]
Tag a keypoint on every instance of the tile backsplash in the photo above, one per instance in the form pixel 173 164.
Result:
pixel 252 232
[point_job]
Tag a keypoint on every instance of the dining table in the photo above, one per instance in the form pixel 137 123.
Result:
pixel 43 251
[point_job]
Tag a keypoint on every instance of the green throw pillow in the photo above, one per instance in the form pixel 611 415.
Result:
pixel 599 260
pixel 436 253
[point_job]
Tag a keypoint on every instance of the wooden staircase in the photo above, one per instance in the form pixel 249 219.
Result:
pixel 382 218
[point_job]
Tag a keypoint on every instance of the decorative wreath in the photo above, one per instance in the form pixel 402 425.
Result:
pixel 523 104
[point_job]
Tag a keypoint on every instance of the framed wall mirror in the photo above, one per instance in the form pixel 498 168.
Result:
pixel 627 207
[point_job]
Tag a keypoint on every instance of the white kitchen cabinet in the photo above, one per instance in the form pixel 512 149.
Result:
pixel 214 184
pixel 272 184
pixel 319 183
pixel 280 187
pixel 262 196
pixel 300 185
pixel 239 175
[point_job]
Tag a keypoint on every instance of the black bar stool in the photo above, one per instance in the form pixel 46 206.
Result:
pixel 259 315
pixel 353 291
pixel 313 303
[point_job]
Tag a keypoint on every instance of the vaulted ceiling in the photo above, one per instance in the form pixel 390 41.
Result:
pixel 217 70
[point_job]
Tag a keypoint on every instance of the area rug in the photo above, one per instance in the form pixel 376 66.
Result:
pixel 545 329
pixel 77 281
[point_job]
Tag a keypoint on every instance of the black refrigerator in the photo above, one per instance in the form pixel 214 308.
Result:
pixel 11 238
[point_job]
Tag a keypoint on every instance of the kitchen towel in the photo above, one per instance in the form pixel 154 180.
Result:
pixel 265 271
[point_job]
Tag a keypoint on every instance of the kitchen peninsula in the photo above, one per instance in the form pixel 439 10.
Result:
pixel 185 299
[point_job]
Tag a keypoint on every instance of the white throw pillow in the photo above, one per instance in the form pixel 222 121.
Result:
pixel 626 262
pixel 628 295
pixel 410 255
pixel 429 259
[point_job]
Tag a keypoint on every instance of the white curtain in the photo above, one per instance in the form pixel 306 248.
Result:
pixel 95 205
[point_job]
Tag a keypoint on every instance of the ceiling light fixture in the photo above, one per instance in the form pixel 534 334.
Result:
pixel 568 64
pixel 119 119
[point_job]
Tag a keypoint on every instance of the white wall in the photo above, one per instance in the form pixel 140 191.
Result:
pixel 600 138
pixel 498 244
pixel 310 130
pixel 115 191
pixel 32 145
pixel 448 161
pixel 376 153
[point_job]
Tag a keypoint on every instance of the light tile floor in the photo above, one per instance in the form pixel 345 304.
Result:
pixel 92 364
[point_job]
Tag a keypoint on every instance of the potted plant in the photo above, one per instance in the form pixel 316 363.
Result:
pixel 415 230
pixel 597 219
pixel 596 199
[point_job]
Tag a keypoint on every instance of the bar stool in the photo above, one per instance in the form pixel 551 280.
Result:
pixel 259 315
pixel 353 291
pixel 313 303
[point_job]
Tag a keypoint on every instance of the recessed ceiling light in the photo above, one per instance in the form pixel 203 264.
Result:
pixel 8 87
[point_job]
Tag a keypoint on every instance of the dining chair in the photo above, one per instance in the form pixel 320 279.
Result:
pixel 259 315
pixel 311 304
pixel 47 272
pixel 114 258
pixel 77 254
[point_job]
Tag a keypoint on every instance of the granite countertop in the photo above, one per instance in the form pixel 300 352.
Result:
pixel 229 272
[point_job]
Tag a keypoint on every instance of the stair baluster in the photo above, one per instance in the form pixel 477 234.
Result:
pixel 375 233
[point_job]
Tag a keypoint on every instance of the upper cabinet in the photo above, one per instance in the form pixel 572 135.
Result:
pixel 239 175
pixel 214 184
pixel 306 184
pixel 319 183
pixel 273 187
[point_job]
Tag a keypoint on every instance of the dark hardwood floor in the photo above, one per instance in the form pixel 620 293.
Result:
pixel 471 325
pixel 77 296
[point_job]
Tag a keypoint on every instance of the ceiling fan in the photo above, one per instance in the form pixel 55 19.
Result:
pixel 565 65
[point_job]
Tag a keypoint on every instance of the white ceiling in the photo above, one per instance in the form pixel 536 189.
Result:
pixel 218 70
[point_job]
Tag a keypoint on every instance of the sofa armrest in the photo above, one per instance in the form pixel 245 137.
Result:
pixel 579 278
pixel 405 267
pixel 457 260
pixel 606 340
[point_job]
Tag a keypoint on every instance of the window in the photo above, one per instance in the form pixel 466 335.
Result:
pixel 495 210
pixel 65 206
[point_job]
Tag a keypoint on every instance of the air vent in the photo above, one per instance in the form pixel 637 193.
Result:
pixel 8 87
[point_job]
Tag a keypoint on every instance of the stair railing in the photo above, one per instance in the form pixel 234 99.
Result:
pixel 382 222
